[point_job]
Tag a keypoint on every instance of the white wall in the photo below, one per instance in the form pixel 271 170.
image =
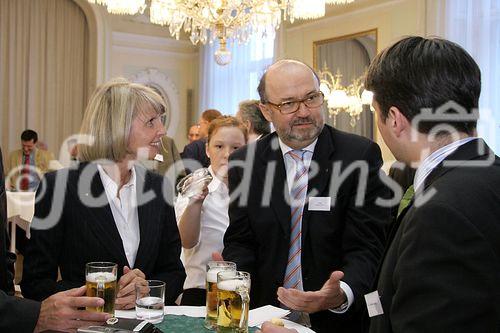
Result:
pixel 392 19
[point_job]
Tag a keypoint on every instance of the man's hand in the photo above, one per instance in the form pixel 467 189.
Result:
pixel 125 299
pixel 329 296
pixel 59 312
pixel 268 327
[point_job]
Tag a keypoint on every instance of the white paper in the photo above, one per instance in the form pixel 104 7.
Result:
pixel 320 203
pixel 265 313
pixel 373 304
pixel 125 314
pixel 299 328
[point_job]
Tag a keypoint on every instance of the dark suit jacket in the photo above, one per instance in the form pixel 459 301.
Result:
pixel 82 234
pixel 441 272
pixel 195 151
pixel 346 238
pixel 16 314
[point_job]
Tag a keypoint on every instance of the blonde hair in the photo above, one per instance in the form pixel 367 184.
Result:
pixel 108 118
pixel 226 121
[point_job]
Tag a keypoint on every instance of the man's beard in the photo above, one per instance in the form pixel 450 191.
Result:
pixel 299 135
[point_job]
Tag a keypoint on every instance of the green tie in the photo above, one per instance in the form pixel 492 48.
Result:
pixel 405 201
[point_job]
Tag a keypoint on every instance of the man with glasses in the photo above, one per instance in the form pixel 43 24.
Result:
pixel 297 226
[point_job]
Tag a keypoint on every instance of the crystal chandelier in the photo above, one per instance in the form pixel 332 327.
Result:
pixel 351 99
pixel 206 21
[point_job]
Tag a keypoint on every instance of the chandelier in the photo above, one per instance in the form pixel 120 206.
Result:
pixel 352 99
pixel 206 21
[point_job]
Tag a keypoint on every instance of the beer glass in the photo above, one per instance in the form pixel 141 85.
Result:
pixel 233 294
pixel 150 301
pixel 214 267
pixel 101 282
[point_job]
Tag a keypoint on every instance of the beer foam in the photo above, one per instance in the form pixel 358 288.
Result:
pixel 212 274
pixel 232 285
pixel 101 276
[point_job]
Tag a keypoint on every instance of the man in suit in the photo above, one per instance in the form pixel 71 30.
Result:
pixel 195 152
pixel 27 165
pixel 58 312
pixel 441 271
pixel 316 254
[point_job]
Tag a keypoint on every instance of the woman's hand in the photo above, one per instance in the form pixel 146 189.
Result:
pixel 126 288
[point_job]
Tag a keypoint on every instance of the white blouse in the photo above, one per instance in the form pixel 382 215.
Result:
pixel 214 222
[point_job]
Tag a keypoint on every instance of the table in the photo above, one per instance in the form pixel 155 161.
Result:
pixel 183 324
pixel 20 211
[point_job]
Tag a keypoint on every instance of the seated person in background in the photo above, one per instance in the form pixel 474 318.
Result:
pixel 108 209
pixel 27 165
pixel 203 218
pixel 58 312
pixel 194 133
pixel 249 113
pixel 195 151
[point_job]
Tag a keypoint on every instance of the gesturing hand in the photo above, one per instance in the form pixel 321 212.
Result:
pixel 125 299
pixel 59 312
pixel 329 296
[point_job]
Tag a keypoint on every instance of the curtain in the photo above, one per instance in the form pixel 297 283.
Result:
pixel 351 58
pixel 43 71
pixel 475 25
pixel 224 87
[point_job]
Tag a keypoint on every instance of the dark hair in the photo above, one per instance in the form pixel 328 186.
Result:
pixel 425 73
pixel 226 121
pixel 210 114
pixel 250 111
pixel 261 89
pixel 28 135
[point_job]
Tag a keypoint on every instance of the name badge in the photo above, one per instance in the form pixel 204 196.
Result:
pixel 159 158
pixel 320 203
pixel 373 304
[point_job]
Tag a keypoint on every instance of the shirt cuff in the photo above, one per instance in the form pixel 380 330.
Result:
pixel 350 299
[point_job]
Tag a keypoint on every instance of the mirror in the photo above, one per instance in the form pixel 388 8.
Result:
pixel 350 56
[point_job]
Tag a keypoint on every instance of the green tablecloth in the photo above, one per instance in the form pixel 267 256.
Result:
pixel 184 324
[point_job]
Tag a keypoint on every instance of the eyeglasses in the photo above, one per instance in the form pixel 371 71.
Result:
pixel 314 100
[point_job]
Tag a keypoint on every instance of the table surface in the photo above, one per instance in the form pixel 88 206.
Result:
pixel 183 324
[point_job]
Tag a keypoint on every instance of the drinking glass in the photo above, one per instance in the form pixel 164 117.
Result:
pixel 214 267
pixel 101 282
pixel 233 294
pixel 150 301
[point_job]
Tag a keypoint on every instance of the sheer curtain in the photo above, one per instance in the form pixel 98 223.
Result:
pixel 43 80
pixel 224 87
pixel 475 25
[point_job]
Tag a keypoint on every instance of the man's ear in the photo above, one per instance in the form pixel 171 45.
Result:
pixel 397 121
pixel 266 111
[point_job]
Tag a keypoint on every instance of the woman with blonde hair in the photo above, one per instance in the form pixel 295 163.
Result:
pixel 203 218
pixel 108 208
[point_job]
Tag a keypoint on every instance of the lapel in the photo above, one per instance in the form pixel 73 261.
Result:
pixel 145 213
pixel 103 224
pixel 280 196
pixel 322 156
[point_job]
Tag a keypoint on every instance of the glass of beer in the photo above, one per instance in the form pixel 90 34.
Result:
pixel 233 294
pixel 214 267
pixel 101 282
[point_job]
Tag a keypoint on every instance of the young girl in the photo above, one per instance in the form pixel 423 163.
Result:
pixel 203 218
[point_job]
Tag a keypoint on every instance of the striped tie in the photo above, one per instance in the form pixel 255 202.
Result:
pixel 293 274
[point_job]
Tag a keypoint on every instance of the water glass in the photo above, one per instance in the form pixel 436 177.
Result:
pixel 150 301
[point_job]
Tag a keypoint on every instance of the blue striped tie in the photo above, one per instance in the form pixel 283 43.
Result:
pixel 298 193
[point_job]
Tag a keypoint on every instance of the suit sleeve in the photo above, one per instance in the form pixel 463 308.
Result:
pixel 446 277
pixel 239 239
pixel 168 266
pixel 364 235
pixel 43 251
pixel 18 314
